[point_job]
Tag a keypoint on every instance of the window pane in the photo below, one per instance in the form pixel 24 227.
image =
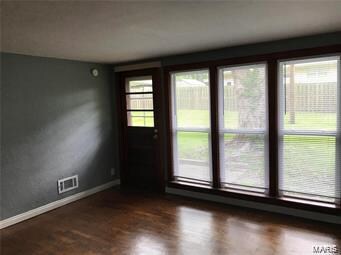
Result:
pixel 243 161
pixel 139 101
pixel 243 127
pixel 310 90
pixel 140 119
pixel 192 98
pixel 244 103
pixel 308 107
pixel 143 84
pixel 192 155
pixel 309 167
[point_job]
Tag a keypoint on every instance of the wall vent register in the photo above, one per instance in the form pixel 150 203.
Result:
pixel 67 184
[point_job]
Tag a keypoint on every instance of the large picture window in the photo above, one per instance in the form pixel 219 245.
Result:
pixel 309 125
pixel 191 126
pixel 243 127
pixel 259 128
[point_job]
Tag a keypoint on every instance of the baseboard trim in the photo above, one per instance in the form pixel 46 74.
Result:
pixel 51 206
pixel 334 219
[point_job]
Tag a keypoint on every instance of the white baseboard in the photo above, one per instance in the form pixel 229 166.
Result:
pixel 335 219
pixel 51 206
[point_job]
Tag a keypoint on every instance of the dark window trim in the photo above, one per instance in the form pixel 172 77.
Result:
pixel 271 60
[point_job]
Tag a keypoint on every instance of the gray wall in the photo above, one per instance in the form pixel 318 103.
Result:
pixel 246 50
pixel 257 48
pixel 56 122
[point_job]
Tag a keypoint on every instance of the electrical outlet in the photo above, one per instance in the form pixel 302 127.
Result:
pixel 112 171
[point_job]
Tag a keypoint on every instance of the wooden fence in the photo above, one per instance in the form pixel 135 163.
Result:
pixel 309 97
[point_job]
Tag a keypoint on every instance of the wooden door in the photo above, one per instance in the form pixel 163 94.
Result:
pixel 140 130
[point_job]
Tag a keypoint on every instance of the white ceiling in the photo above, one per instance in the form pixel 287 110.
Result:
pixel 117 31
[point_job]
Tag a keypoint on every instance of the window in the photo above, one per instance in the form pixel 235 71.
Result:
pixel 309 125
pixel 139 98
pixel 243 127
pixel 191 126
pixel 271 131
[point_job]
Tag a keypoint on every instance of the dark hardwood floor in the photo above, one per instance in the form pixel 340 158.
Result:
pixel 121 222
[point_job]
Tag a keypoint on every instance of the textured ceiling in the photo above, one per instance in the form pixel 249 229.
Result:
pixel 112 31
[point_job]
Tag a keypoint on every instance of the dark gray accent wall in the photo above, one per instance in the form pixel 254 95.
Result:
pixel 256 49
pixel 312 41
pixel 56 122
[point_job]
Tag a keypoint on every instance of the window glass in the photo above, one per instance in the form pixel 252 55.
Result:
pixel 308 129
pixel 193 155
pixel 244 97
pixel 139 101
pixel 243 127
pixel 192 99
pixel 310 94
pixel 191 126
pixel 140 119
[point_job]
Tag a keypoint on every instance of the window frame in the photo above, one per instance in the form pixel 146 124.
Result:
pixel 271 59
pixel 282 132
pixel 264 131
pixel 129 93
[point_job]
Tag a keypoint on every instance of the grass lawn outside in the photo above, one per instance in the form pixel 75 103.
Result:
pixel 309 161
pixel 304 120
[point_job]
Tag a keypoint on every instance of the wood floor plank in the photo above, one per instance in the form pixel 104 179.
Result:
pixel 121 222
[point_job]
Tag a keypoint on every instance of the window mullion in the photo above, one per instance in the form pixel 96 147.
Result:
pixel 338 136
pixel 214 126
pixel 272 76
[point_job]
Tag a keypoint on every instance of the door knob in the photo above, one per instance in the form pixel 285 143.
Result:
pixel 155 136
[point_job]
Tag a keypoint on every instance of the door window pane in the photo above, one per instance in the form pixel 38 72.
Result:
pixel 142 84
pixel 140 118
pixel 193 155
pixel 139 101
pixel 192 99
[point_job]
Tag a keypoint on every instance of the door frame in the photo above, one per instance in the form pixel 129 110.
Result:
pixel 120 78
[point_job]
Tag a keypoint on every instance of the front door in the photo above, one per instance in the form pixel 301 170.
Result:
pixel 140 126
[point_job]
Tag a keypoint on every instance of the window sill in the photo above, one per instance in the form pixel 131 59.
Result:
pixel 307 202
pixel 320 207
